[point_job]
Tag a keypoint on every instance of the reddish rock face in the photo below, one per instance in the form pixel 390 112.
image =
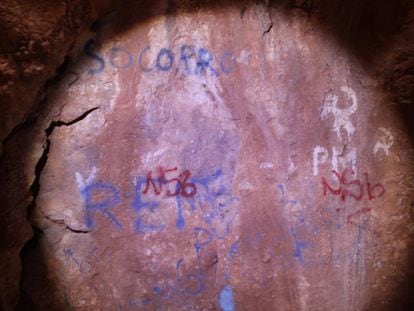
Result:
pixel 224 158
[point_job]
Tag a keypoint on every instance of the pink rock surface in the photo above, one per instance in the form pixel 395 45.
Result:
pixel 220 159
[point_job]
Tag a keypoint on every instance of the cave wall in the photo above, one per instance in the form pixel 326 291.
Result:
pixel 196 155
pixel 36 38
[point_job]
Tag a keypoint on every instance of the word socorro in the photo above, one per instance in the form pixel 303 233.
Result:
pixel 192 60
pixel 352 188
pixel 212 197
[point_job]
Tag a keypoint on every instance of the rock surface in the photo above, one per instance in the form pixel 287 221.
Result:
pixel 196 156
pixel 36 38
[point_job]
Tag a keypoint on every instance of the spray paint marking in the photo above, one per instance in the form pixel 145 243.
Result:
pixel 139 206
pixel 226 299
pixel 357 213
pixel 385 143
pixel 213 198
pixel 299 244
pixel 352 188
pixel 186 58
pixel 347 157
pixel 342 116
pixel 98 196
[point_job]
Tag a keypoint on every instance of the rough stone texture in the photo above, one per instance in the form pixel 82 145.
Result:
pixel 36 37
pixel 280 165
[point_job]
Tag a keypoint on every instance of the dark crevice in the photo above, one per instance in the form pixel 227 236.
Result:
pixel 60 123
pixel 171 7
pixel 24 302
pixel 35 187
pixel 61 223
pixel 306 6
pixel 106 19
pixel 77 231
pixel 32 243
pixel 32 118
pixel 243 10
pixel 214 260
pixel 64 66
pixel 267 30
pixel 76 78
pixel 22 126
pixel 40 165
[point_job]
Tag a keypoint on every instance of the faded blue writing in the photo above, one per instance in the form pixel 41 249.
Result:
pixel 226 299
pixel 140 206
pixel 191 60
pixel 108 197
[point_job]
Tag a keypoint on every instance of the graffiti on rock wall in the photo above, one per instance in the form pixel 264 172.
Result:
pixel 358 213
pixel 385 143
pixel 98 196
pixel 297 227
pixel 207 195
pixel 182 186
pixel 346 187
pixel 165 184
pixel 339 158
pixel 69 256
pixel 172 287
pixel 188 59
pixel 342 116
pixel 226 299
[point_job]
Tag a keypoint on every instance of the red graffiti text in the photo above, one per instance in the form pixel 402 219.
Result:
pixel 180 184
pixel 350 187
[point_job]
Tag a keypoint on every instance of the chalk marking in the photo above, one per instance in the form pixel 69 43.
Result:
pixel 266 165
pixel 344 160
pixel 342 116
pixel 385 143
pixel 317 151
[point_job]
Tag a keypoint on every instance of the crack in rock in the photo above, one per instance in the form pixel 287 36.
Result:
pixel 267 30
pixel 35 187
pixel 61 223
